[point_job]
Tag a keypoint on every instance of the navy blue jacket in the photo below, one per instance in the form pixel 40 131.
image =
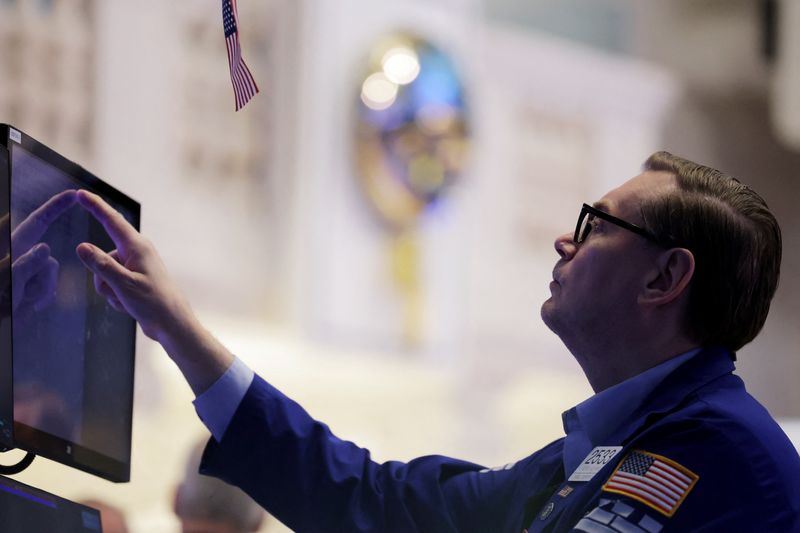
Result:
pixel 700 419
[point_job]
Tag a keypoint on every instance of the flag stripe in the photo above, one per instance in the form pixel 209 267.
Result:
pixel 672 473
pixel 648 498
pixel 657 494
pixel 666 489
pixel 675 471
pixel 246 78
pixel 237 90
pixel 667 482
pixel 246 83
pixel 240 88
pixel 679 487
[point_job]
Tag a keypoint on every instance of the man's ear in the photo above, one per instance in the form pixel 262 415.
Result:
pixel 670 278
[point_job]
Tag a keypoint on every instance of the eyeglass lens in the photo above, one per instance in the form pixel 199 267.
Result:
pixel 585 226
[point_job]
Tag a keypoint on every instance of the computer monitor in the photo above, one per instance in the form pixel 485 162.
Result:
pixel 71 353
pixel 25 509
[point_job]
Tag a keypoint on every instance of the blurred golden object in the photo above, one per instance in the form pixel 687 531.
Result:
pixel 404 265
pixel 410 144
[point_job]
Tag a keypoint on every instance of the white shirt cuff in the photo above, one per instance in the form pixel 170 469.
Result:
pixel 217 405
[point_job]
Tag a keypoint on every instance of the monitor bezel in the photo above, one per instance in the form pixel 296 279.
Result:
pixel 6 368
pixel 32 439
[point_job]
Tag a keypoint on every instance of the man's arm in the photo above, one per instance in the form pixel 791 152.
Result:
pixel 311 480
pixel 133 279
pixel 287 461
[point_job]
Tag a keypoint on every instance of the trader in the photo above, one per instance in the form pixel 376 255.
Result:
pixel 662 281
pixel 205 504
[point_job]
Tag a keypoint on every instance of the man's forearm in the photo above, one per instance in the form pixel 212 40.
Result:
pixel 201 358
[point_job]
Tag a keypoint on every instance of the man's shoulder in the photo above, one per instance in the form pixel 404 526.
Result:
pixel 736 460
pixel 727 415
pixel 725 420
pixel 715 439
pixel 717 461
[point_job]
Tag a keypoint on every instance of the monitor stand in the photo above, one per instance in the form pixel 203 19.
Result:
pixel 25 462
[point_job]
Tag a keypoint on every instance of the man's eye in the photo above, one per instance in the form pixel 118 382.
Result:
pixel 592 225
pixel 588 226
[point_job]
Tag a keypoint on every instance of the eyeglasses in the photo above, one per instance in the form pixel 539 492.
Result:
pixel 587 216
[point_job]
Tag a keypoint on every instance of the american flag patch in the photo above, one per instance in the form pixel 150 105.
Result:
pixel 653 480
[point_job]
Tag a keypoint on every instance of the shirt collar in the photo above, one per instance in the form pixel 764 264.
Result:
pixel 592 421
pixel 601 414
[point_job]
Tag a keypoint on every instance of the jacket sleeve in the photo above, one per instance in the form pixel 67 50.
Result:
pixel 311 480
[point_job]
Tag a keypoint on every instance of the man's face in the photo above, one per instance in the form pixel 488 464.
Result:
pixel 596 283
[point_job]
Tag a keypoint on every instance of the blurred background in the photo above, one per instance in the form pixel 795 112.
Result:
pixel 373 232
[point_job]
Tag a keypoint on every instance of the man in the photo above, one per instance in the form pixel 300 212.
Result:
pixel 207 505
pixel 662 281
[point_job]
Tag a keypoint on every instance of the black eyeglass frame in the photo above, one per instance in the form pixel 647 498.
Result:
pixel 589 210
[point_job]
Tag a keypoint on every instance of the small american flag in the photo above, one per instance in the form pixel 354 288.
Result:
pixel 244 86
pixel 653 480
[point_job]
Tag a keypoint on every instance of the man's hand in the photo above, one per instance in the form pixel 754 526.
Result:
pixel 134 280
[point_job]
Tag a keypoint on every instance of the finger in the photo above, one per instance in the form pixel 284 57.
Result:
pixel 113 302
pixel 121 232
pixel 102 265
pixel 103 288
pixel 36 223
pixel 27 265
pixel 44 285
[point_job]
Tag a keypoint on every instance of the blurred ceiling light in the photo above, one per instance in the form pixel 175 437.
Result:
pixel 401 65
pixel 378 92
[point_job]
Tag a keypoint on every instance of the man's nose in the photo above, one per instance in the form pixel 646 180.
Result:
pixel 565 246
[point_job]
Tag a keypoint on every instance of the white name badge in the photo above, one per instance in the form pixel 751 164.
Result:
pixel 594 462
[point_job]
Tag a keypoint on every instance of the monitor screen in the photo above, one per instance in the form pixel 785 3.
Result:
pixel 24 509
pixel 72 353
